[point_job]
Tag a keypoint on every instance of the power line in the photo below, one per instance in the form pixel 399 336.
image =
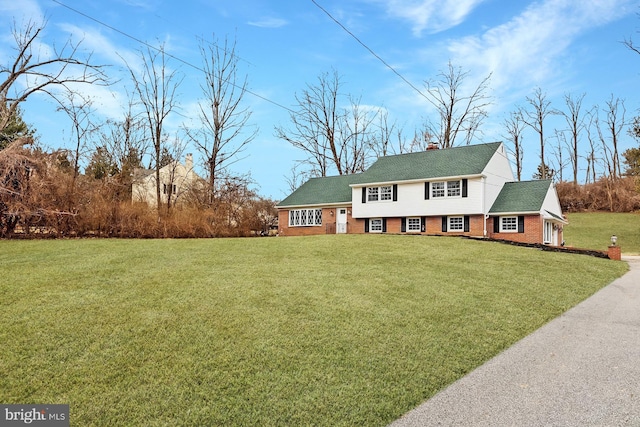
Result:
pixel 149 46
pixel 369 49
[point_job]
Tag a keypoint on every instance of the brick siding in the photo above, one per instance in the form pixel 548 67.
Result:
pixel 533 227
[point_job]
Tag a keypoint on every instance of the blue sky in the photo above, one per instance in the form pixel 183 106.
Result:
pixel 560 46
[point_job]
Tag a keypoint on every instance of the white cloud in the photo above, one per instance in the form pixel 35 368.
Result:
pixel 528 49
pixel 268 22
pixel 430 15
pixel 22 10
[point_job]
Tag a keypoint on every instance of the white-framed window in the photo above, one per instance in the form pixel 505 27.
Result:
pixel 437 189
pixel 375 225
pixel 455 223
pixel 453 189
pixel 372 194
pixel 381 193
pixel 305 217
pixel 509 224
pixel 414 224
pixel 446 189
pixel 386 192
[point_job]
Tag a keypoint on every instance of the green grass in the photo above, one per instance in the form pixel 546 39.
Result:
pixel 593 230
pixel 330 330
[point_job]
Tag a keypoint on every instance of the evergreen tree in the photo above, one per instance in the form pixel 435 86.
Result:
pixel 16 128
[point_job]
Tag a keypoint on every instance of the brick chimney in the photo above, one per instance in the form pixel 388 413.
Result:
pixel 188 161
pixel 432 146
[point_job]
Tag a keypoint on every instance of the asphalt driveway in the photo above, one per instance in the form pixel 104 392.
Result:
pixel 581 369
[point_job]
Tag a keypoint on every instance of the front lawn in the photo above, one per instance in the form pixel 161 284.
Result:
pixel 349 330
pixel 593 230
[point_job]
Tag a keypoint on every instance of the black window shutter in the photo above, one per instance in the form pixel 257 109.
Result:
pixel 384 225
pixel 444 224
pixel 403 224
pixel 364 194
pixel 521 224
pixel 466 223
pixel 366 225
pixel 427 190
pixel 496 224
pixel 464 187
pixel 395 192
pixel 423 224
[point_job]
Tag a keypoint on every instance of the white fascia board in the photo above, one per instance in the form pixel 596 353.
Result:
pixel 413 181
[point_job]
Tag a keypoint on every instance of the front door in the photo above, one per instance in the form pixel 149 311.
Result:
pixel 341 221
pixel 550 234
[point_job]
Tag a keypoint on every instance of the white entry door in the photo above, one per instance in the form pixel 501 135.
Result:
pixel 341 221
pixel 550 234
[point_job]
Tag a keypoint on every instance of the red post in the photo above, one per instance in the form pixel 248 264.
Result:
pixel 614 253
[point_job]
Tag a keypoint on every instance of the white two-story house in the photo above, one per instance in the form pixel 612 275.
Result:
pixel 466 190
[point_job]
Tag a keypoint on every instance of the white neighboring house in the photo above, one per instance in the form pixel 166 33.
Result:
pixel 175 180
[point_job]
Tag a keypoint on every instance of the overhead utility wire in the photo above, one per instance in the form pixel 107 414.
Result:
pixel 369 49
pixel 165 53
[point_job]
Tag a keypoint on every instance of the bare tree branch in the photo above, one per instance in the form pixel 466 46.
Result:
pixel 30 73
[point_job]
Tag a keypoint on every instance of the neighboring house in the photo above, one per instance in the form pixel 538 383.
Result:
pixel 175 180
pixel 468 191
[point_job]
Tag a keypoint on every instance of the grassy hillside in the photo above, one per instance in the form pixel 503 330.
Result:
pixel 593 230
pixel 330 330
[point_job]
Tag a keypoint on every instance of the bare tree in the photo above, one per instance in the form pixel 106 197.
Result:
pixel 535 119
pixel 79 110
pixel 460 113
pixel 297 176
pixel 31 72
pixel 156 87
pixel 225 130
pixel 514 125
pixel 126 143
pixel 174 180
pixel 384 136
pixel 591 173
pixel 558 152
pixel 609 133
pixel 575 121
pixel 355 138
pixel 315 125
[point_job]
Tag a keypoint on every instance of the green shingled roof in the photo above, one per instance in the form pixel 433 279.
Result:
pixel 523 196
pixel 457 161
pixel 322 191
pixel 450 162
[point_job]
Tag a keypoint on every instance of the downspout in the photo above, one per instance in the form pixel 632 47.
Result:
pixel 484 208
